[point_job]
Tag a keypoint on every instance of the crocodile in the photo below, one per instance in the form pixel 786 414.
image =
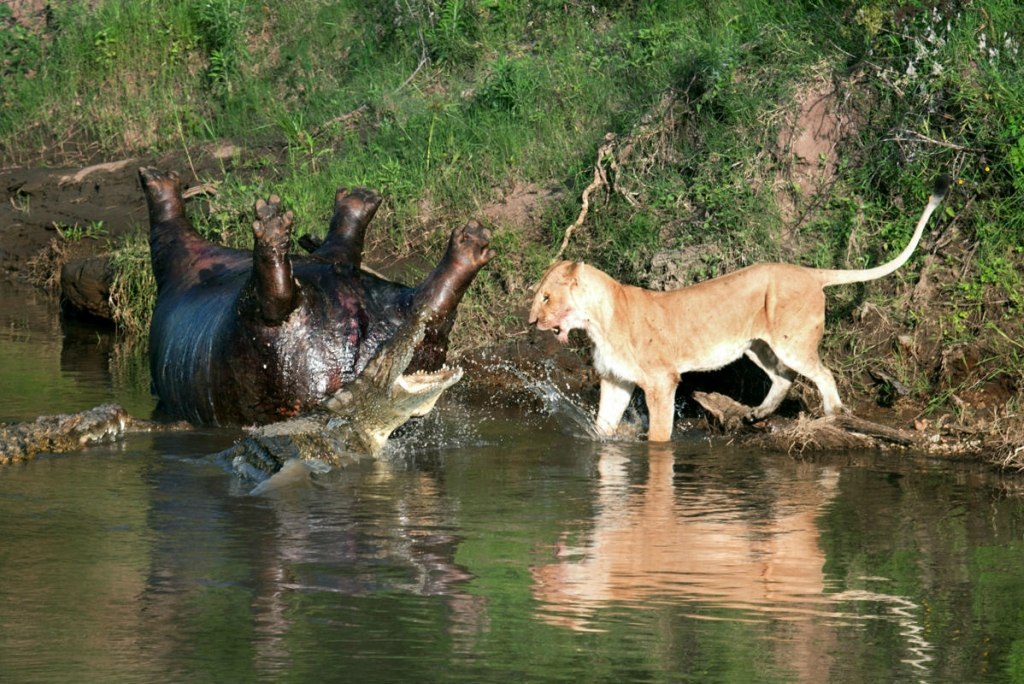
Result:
pixel 356 421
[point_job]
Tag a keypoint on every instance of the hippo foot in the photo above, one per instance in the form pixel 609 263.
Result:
pixel 357 206
pixel 158 182
pixel 273 291
pixel 163 194
pixel 469 247
pixel 272 229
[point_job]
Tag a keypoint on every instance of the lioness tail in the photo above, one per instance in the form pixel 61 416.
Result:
pixel 842 277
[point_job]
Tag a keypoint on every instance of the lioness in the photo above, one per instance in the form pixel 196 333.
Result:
pixel 772 313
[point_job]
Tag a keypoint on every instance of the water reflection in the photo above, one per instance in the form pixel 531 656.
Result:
pixel 697 542
pixel 554 558
pixel 346 554
pixel 724 553
pixel 54 365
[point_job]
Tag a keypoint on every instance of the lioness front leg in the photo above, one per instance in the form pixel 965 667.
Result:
pixel 661 411
pixel 615 396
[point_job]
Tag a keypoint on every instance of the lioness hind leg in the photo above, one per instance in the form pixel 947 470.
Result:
pixel 830 401
pixel 615 398
pixel 782 378
pixel 815 371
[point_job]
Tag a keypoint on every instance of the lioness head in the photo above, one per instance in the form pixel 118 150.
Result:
pixel 555 306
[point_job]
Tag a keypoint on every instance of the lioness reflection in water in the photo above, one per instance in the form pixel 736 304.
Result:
pixel 731 555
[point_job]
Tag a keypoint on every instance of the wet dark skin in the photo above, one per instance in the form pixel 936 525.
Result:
pixel 243 338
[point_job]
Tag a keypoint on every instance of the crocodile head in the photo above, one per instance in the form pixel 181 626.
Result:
pixel 384 396
pixel 357 420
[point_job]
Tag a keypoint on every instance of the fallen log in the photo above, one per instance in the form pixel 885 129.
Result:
pixel 728 414
pixel 840 431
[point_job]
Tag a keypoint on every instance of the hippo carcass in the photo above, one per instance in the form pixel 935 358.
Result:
pixel 242 338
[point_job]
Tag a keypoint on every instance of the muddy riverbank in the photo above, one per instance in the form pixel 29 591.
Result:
pixel 57 227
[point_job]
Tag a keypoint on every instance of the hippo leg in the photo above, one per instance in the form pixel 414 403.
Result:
pixel 353 211
pixel 272 291
pixel 180 255
pixel 468 251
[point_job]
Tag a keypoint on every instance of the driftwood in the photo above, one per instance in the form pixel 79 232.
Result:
pixel 728 413
pixel 840 431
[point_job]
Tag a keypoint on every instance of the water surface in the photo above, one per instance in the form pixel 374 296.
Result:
pixel 490 544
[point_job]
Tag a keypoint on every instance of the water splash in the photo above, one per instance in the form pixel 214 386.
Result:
pixel 455 424
pixel 571 417
pixel 459 424
pixel 569 411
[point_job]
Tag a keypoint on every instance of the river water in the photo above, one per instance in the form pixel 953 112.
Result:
pixel 489 544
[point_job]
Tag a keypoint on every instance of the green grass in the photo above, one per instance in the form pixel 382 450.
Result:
pixel 446 103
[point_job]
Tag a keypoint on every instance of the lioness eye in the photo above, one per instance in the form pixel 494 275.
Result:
pixel 544 299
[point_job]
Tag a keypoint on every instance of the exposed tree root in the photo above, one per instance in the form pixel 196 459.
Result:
pixel 650 136
pixel 600 179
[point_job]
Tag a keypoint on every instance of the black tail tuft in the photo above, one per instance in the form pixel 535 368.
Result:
pixel 942 184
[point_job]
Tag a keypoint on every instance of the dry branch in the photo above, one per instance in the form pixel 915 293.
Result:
pixel 201 189
pixel 600 178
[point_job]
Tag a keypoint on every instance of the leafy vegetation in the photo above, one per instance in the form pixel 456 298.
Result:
pixel 445 105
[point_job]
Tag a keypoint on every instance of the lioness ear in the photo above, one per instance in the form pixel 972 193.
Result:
pixel 572 273
pixel 567 276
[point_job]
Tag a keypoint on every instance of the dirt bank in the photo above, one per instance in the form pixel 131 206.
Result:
pixel 80 208
pixel 84 209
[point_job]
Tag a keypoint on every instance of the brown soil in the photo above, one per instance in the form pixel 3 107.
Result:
pixel 82 209
pixel 30 14
pixel 519 208
pixel 811 139
pixel 807 144
pixel 39 205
